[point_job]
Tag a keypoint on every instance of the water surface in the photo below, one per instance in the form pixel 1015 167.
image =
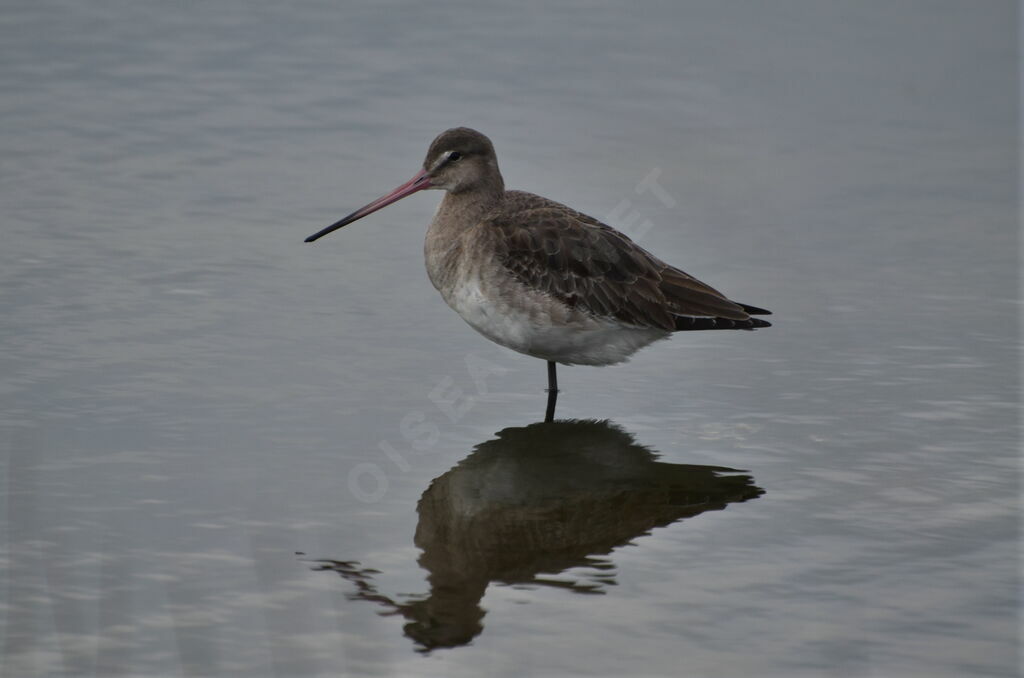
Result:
pixel 227 452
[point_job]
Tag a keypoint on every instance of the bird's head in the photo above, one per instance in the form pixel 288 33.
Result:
pixel 459 160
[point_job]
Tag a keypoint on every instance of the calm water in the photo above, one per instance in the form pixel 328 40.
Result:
pixel 225 452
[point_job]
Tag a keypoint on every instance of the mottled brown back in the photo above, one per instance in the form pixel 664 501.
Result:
pixel 591 266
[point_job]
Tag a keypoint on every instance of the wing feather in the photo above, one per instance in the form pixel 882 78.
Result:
pixel 592 267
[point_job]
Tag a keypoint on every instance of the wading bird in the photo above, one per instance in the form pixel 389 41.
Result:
pixel 543 279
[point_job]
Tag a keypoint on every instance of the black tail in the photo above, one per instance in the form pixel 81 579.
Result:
pixel 754 310
pixel 688 322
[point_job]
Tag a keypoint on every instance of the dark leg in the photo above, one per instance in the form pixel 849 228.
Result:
pixel 552 392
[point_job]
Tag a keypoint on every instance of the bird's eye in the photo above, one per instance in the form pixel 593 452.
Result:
pixel 454 155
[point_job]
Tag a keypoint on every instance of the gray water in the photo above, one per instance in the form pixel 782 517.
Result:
pixel 225 452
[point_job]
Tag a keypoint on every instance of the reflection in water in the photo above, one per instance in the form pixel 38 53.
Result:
pixel 531 504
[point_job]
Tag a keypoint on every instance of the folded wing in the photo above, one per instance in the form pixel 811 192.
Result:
pixel 592 267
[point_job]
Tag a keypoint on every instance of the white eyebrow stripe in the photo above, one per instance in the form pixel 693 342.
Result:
pixel 442 160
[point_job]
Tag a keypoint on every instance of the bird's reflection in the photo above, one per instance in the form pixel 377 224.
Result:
pixel 540 505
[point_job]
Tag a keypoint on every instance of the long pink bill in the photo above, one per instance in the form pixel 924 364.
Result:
pixel 417 183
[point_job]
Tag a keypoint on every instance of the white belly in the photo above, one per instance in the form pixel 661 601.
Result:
pixel 535 324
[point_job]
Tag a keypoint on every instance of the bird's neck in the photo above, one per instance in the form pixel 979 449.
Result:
pixel 444 247
pixel 459 211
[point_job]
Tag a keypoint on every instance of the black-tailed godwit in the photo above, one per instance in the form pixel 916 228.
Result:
pixel 543 279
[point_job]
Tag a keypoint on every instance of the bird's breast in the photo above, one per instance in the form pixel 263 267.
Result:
pixel 477 286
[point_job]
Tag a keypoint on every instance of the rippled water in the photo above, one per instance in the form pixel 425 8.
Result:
pixel 226 452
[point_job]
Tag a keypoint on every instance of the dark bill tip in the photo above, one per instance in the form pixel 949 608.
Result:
pixel 417 183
